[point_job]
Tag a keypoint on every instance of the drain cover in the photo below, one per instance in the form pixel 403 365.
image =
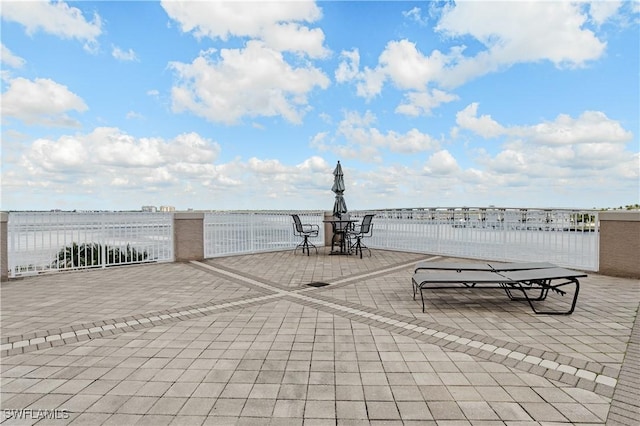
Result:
pixel 317 284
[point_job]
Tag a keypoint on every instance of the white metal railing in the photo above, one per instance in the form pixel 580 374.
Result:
pixel 51 241
pixel 567 238
pixel 237 232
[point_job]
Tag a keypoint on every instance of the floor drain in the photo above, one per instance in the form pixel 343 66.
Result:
pixel 317 284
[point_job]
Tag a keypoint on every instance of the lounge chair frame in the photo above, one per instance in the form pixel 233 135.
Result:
pixel 512 278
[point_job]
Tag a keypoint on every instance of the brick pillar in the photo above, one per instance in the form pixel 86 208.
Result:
pixel 328 228
pixel 188 236
pixel 4 259
pixel 620 244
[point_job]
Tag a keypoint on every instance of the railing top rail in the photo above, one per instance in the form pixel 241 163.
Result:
pixel 564 209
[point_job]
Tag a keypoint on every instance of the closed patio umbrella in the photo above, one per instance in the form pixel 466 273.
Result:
pixel 340 206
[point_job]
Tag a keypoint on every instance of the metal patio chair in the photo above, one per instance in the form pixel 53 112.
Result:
pixel 304 230
pixel 363 230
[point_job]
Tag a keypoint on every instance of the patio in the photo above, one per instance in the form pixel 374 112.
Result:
pixel 246 340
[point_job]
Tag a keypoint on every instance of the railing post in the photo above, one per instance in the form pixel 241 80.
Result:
pixel 188 236
pixel 103 240
pixel 620 244
pixel 4 257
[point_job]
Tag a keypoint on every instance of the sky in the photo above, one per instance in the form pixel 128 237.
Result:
pixel 212 105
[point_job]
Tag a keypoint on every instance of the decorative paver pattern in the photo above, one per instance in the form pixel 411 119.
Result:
pixel 245 340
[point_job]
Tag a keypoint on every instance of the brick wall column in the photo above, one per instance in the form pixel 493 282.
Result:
pixel 620 244
pixel 4 258
pixel 328 228
pixel 188 236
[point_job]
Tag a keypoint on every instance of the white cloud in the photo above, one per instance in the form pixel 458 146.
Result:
pixel 278 24
pixel 590 127
pixel 132 115
pixel 601 11
pixel 64 155
pixel 509 32
pixel 555 156
pixel 484 125
pixel 514 32
pixel 349 67
pixel 122 55
pixel 81 162
pixel 254 81
pixel 422 103
pixel 441 163
pixel 356 137
pixel 415 15
pixel 41 102
pixel 296 38
pixel 407 67
pixel 57 18
pixel 8 58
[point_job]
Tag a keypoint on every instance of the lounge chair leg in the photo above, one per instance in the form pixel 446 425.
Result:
pixel 415 286
pixel 546 287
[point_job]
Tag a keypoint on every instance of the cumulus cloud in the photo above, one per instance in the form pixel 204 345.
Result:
pixel 441 163
pixel 107 147
pixel 415 15
pixel 122 55
pixel 41 101
pixel 484 125
pixel 356 137
pixel 254 81
pixel 258 79
pixel 569 149
pixel 9 59
pixel 516 32
pixel 278 24
pixel 57 18
pixel 422 103
pixel 508 33
pixel 589 128
pixel 111 162
pixel 349 66
pixel 602 11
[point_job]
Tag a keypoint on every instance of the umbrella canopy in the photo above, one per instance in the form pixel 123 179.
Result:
pixel 340 206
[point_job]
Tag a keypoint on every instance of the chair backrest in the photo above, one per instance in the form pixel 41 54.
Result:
pixel 297 224
pixel 341 226
pixel 365 227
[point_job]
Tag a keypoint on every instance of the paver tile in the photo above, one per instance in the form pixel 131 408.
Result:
pixel 357 352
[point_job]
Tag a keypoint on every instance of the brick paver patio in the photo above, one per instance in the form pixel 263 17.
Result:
pixel 247 340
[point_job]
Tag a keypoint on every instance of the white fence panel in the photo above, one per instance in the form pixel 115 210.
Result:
pixel 567 238
pixel 229 233
pixel 52 241
pixel 49 241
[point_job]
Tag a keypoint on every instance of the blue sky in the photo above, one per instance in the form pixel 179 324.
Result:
pixel 249 105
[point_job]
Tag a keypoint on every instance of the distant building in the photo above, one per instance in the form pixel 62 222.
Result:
pixel 167 209
pixel 151 209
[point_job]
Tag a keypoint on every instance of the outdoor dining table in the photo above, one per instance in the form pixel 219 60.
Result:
pixel 338 229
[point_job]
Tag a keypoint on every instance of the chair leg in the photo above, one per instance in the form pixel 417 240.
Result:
pixel 305 245
pixel 358 246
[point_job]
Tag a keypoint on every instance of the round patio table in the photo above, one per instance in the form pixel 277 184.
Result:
pixel 340 228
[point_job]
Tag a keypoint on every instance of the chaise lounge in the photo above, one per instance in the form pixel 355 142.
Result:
pixel 540 277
